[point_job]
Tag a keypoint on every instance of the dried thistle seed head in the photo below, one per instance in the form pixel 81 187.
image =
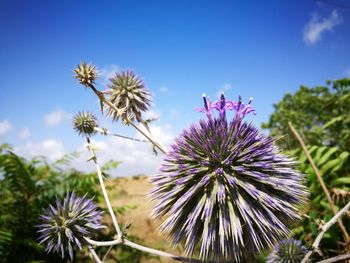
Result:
pixel 65 224
pixel 225 188
pixel 128 91
pixel 288 250
pixel 86 74
pixel 84 123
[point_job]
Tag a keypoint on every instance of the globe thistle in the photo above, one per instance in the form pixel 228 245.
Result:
pixel 127 91
pixel 84 123
pixel 225 188
pixel 65 224
pixel 287 251
pixel 86 74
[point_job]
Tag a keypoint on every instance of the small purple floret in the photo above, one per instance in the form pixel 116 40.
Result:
pixel 224 105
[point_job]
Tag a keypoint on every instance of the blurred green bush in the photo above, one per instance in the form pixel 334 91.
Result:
pixel 27 188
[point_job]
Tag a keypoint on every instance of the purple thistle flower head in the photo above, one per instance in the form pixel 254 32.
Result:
pixel 287 250
pixel 64 224
pixel 225 188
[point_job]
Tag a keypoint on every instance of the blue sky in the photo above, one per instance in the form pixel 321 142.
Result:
pixel 181 49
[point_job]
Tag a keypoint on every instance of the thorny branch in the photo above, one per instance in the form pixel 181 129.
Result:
pixel 319 237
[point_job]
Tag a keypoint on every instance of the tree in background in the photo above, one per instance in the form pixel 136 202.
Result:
pixel 321 114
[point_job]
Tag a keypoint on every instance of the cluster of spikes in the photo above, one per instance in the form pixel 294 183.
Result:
pixel 127 92
pixel 86 74
pixel 224 189
pixel 65 225
pixel 84 123
pixel 287 251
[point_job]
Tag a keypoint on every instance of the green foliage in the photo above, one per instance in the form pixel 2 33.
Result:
pixel 331 162
pixel 320 114
pixel 26 189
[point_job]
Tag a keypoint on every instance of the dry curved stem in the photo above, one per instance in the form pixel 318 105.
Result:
pixel 103 188
pixel 102 98
pixel 94 255
pixel 323 185
pixel 106 132
pixel 324 228
pixel 336 259
pixel 107 253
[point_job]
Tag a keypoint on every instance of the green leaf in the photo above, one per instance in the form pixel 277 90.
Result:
pixel 341 181
pixel 319 153
pixel 110 165
pixel 333 165
pixel 325 158
pixel 343 157
pixel 332 121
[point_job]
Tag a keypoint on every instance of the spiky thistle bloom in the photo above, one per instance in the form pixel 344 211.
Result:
pixel 226 188
pixel 64 224
pixel 127 91
pixel 86 74
pixel 84 123
pixel 287 251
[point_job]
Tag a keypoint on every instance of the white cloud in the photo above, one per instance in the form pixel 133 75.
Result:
pixel 109 71
pixel 224 88
pixel 135 157
pixel 163 89
pixel 315 28
pixel 24 133
pixel 5 127
pixel 52 149
pixel 56 117
pixel 151 114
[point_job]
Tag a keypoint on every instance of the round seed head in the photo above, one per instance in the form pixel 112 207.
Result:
pixel 127 91
pixel 64 224
pixel 84 123
pixel 225 188
pixel 86 74
pixel 287 251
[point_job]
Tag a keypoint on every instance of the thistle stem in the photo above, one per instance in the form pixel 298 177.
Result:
pixel 336 259
pixel 127 242
pixel 107 253
pixel 105 132
pixel 102 98
pixel 322 183
pixel 103 243
pixel 319 237
pixel 94 255
pixel 103 188
pixel 156 144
